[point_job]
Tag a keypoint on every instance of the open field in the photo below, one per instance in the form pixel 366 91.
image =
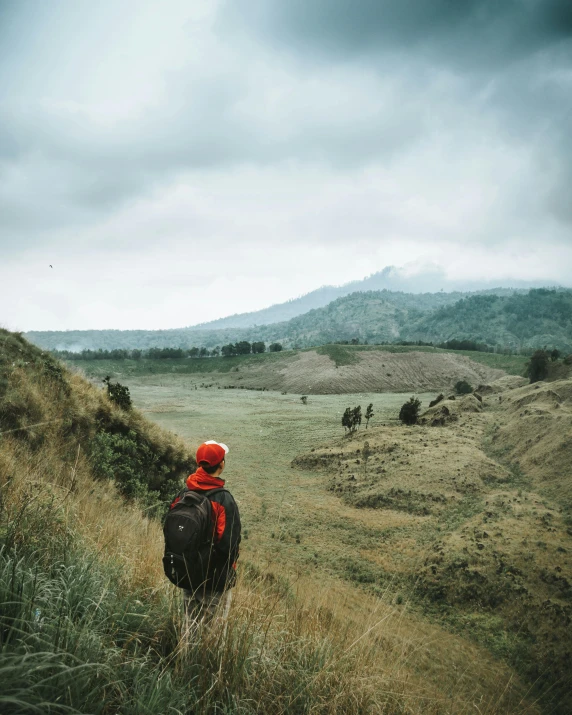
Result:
pixel 441 522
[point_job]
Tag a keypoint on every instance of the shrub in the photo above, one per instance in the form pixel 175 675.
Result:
pixel 409 413
pixel 537 366
pixel 462 387
pixel 351 419
pixel 118 393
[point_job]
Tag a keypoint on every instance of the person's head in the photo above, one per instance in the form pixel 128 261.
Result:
pixel 211 457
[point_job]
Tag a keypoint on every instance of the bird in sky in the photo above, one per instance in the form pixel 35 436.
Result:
pixel 51 265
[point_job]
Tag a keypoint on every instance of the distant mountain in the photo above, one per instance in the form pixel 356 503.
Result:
pixel 390 278
pixel 515 319
pixel 537 318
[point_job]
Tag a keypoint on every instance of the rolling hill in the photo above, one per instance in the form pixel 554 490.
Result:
pixel 534 319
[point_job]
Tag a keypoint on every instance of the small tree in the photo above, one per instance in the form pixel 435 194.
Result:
pixel 368 414
pixel 258 347
pixel 356 417
pixel 555 354
pixel 366 454
pixel 347 419
pixel 275 348
pixel 537 367
pixel 463 388
pixel 118 393
pixel 304 399
pixel 243 347
pixel 228 350
pixel 409 413
pixel 351 419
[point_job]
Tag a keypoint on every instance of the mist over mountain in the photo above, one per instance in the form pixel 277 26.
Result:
pixel 391 278
pixel 500 317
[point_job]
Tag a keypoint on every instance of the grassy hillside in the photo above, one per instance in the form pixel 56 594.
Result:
pixel 88 623
pixel 485 540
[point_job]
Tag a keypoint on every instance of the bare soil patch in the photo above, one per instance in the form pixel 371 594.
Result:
pixel 373 371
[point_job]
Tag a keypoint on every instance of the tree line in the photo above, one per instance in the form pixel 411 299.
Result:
pixel 241 348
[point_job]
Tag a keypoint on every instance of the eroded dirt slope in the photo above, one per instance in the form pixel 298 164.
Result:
pixel 314 374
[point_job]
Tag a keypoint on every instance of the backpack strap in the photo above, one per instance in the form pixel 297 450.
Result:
pixel 213 491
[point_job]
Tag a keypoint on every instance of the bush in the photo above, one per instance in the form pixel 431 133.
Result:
pixel 537 366
pixel 118 393
pixel 463 388
pixel 409 413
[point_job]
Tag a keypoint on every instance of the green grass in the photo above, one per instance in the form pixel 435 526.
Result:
pixel 340 354
pixel 177 366
pixel 513 364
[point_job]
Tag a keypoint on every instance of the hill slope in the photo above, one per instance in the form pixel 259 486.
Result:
pixel 540 317
pixel 389 279
pixel 485 539
pixel 89 623
pixel 329 369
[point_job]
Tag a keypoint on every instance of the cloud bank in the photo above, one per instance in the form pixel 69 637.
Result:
pixel 186 161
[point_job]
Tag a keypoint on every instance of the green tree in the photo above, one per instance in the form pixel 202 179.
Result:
pixel 243 347
pixel 409 413
pixel 258 347
pixel 355 418
pixel 537 366
pixel 351 419
pixel 228 350
pixel 275 348
pixel 462 387
pixel 118 393
pixel 366 454
pixel 304 399
pixel 554 355
pixel 368 414
pixel 347 419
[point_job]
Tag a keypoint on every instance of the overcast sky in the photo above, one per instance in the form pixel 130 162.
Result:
pixel 182 160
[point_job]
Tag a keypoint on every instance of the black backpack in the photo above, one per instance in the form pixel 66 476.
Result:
pixel 189 532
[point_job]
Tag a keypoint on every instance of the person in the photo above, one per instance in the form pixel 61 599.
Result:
pixel 213 596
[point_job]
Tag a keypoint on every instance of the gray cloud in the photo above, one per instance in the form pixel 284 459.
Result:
pixel 482 32
pixel 327 123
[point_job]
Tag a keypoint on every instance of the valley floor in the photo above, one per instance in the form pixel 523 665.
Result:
pixel 461 541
